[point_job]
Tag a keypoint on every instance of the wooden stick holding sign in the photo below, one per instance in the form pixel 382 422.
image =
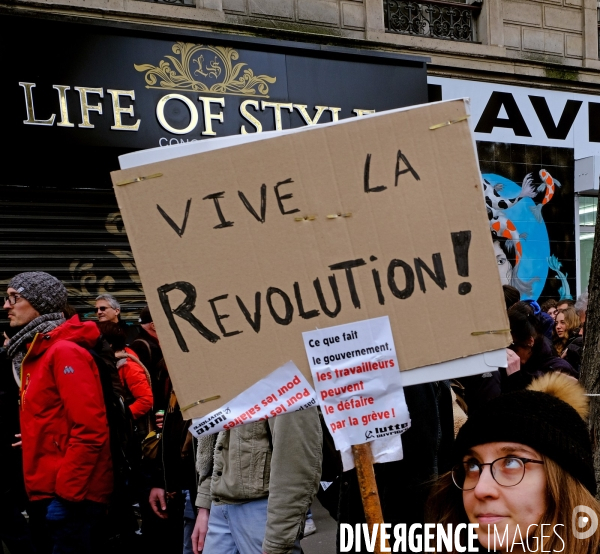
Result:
pixel 358 385
pixel 363 461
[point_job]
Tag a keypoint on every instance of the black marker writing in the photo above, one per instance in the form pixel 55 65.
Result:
pixel 184 311
pixel 281 198
pixel 263 203
pixel 174 226
pixel 215 197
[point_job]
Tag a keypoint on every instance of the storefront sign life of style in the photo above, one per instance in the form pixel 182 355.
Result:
pixel 501 111
pixel 168 88
pixel 212 109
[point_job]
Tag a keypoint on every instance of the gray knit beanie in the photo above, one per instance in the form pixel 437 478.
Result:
pixel 43 291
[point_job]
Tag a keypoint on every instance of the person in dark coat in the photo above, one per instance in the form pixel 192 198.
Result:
pixel 405 485
pixel 14 530
pixel 148 351
pixel 533 348
pixel 167 475
pixel 172 469
pixel 573 352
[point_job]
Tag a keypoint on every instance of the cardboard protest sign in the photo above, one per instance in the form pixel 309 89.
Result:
pixel 283 391
pixel 359 387
pixel 241 249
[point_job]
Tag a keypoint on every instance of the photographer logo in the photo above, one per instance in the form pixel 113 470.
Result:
pixel 583 517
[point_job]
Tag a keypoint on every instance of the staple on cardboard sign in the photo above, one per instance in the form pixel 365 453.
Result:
pixel 306 218
pixel 494 332
pixel 138 179
pixel 198 402
pixel 335 216
pixel 450 122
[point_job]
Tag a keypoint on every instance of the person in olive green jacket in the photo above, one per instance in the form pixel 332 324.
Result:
pixel 256 484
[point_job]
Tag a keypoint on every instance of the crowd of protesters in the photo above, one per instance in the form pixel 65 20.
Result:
pixel 97 456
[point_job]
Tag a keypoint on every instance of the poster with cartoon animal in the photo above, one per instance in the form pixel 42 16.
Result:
pixel 528 191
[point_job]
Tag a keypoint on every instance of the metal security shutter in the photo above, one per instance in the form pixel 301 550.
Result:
pixel 76 235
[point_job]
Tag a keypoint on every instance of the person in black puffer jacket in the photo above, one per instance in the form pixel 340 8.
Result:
pixel 573 352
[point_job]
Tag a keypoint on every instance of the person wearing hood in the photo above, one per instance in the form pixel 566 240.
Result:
pixel 65 438
pixel 534 350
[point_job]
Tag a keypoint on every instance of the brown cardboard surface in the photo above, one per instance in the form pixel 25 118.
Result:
pixel 327 166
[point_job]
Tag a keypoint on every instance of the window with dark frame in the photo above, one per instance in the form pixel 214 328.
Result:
pixel 432 18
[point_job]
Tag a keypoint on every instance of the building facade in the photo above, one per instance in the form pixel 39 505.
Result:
pixel 93 79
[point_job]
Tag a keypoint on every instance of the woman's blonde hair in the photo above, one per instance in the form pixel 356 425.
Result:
pixel 572 323
pixel 563 494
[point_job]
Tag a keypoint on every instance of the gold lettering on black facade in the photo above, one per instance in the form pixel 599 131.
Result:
pixel 360 112
pixel 249 117
pixel 160 114
pixel 310 121
pixel 31 119
pixel 209 116
pixel 118 110
pixel 86 107
pixel 62 102
pixel 277 107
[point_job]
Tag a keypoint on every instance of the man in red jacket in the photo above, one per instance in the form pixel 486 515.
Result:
pixel 66 452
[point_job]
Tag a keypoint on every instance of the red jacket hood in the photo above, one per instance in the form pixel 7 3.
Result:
pixel 82 333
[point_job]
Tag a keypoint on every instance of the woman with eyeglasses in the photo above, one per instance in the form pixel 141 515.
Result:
pixel 524 473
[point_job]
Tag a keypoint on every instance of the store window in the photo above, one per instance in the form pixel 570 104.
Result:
pixel 588 211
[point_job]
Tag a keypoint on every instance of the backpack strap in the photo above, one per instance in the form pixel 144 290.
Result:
pixel 147 345
pixel 126 355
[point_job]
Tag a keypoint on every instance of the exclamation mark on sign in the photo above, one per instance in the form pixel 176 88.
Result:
pixel 461 242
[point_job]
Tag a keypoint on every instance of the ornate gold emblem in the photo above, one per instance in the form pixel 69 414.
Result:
pixel 203 68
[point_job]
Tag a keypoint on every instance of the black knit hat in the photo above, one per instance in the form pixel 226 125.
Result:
pixel 43 291
pixel 548 421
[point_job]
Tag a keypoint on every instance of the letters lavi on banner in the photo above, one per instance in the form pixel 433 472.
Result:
pixel 242 248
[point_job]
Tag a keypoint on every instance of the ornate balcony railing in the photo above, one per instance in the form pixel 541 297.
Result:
pixel 431 18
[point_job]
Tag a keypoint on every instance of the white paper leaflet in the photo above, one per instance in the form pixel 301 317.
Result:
pixel 387 449
pixel 283 391
pixel 358 383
